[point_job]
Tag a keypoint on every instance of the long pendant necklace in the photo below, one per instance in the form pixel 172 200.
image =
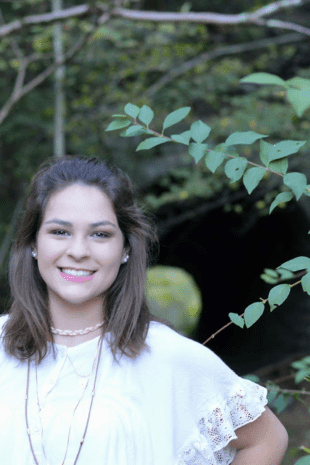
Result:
pixel 93 393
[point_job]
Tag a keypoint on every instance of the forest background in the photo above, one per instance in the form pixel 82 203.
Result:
pixel 112 57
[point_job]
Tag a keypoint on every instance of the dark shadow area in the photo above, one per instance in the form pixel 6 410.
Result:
pixel 226 253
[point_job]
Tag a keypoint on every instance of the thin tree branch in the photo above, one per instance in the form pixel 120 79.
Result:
pixel 81 10
pixel 203 18
pixel 274 23
pixel 276 6
pixel 19 91
pixel 229 50
pixel 14 44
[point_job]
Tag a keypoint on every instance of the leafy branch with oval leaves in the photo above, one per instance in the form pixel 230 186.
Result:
pixel 274 159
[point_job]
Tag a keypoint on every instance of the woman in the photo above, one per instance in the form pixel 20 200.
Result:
pixel 77 276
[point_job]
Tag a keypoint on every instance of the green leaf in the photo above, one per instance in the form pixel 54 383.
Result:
pixel 298 94
pixel 263 78
pixel 182 138
pixel 235 318
pixel 278 295
pixel 271 273
pixel 252 178
pixel 214 160
pixel 279 166
pixel 280 198
pixel 268 279
pixel 269 152
pixel 305 282
pixel 132 110
pixel 253 313
pixel 235 168
pixel 151 142
pixel 303 461
pixel 297 182
pixel 272 392
pixel 280 404
pixel 146 115
pixel 135 130
pixel 301 375
pixel 264 150
pixel 296 264
pixel 199 131
pixel 285 148
pixel 248 137
pixel 117 124
pixel 175 117
pixel 285 274
pixel 197 150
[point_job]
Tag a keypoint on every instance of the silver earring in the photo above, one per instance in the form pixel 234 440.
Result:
pixel 126 259
pixel 34 254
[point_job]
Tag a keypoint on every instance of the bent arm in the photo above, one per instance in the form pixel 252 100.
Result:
pixel 262 442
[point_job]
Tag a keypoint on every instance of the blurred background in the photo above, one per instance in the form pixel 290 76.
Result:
pixel 67 66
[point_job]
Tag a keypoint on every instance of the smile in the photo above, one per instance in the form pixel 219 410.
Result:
pixel 76 276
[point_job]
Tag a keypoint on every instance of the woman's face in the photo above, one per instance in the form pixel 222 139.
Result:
pixel 79 245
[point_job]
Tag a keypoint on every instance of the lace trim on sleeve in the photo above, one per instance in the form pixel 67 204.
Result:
pixel 217 426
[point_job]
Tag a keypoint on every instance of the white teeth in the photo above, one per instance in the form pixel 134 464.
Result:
pixel 76 272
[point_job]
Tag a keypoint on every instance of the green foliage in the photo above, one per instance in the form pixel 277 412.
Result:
pixel 298 94
pixel 303 460
pixel 297 264
pixel 182 138
pixel 252 178
pixel 281 198
pixel 215 158
pixel 269 152
pixel 297 182
pixel 278 295
pixel 235 318
pixel 199 131
pixel 298 89
pixel 303 369
pixel 118 124
pixel 253 312
pixel 264 78
pixel 235 168
pixel 305 283
pixel 146 115
pixel 132 110
pixel 197 151
pixel 273 276
pixel 151 142
pixel 274 158
pixel 248 137
pixel 175 117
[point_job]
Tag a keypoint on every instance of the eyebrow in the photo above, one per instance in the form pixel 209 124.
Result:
pixel 68 224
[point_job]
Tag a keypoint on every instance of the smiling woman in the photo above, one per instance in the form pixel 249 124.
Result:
pixel 77 275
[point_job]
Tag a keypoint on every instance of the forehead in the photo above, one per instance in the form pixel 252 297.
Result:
pixel 81 201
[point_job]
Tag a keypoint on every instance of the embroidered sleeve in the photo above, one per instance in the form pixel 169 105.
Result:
pixel 217 425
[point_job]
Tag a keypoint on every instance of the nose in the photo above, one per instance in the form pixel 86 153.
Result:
pixel 78 248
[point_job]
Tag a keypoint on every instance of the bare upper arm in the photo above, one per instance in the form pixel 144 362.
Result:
pixel 265 428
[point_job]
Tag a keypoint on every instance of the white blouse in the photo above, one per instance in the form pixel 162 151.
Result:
pixel 178 404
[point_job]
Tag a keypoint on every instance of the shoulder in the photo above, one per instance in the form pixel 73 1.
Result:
pixel 185 352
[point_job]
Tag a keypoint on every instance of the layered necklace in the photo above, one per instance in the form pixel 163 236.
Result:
pixel 69 333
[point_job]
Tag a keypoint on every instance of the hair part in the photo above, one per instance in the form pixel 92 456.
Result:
pixel 127 313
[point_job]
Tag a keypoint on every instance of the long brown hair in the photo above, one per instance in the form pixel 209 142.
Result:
pixel 127 313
